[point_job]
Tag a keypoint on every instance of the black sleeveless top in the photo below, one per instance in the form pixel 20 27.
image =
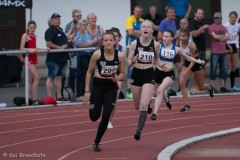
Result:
pixel 145 53
pixel 108 68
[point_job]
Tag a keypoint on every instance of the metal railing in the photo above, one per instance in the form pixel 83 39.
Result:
pixel 40 51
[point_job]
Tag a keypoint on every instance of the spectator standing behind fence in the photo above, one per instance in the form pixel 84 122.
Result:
pixel 199 30
pixel 219 36
pixel 133 25
pixel 232 54
pixel 71 28
pixel 167 23
pixel 96 31
pixel 56 62
pixel 83 39
pixel 153 16
pixel 182 7
pixel 28 42
pixel 71 31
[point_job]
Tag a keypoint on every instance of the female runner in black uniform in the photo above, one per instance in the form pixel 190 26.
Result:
pixel 104 65
pixel 142 55
pixel 189 48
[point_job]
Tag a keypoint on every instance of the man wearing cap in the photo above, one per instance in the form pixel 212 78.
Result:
pixel 219 36
pixel 57 61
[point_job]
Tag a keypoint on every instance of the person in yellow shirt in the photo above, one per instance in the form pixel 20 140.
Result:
pixel 133 25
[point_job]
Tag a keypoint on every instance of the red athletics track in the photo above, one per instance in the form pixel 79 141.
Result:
pixel 67 133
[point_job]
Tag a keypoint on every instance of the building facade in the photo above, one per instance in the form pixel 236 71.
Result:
pixel 14 14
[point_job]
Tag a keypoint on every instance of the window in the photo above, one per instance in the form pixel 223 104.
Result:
pixel 8 17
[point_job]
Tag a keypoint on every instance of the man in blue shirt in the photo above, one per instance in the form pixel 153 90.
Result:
pixel 182 7
pixel 167 23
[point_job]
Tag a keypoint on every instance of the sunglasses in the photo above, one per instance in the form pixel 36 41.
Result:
pixel 217 18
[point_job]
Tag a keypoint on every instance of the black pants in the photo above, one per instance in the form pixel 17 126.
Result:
pixel 102 100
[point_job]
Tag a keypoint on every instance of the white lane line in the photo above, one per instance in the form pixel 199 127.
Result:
pixel 84 131
pixel 44 138
pixel 169 151
pixel 30 120
pixel 37 113
pixel 46 126
pixel 40 119
pixel 125 117
pixel 20 114
pixel 124 138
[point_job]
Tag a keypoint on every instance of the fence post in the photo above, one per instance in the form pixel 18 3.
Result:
pixel 26 80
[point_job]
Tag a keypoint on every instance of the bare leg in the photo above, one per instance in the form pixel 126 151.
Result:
pixel 199 76
pixel 35 80
pixel 146 96
pixel 160 93
pixel 183 77
pixel 58 84
pixel 49 86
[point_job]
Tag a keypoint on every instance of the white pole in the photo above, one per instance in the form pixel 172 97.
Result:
pixel 26 80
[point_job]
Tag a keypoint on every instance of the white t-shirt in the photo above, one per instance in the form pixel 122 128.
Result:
pixel 233 32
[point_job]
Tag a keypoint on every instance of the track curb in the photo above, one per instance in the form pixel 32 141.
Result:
pixel 172 149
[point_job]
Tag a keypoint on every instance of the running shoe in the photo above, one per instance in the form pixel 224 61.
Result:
pixel 153 117
pixel 137 136
pixel 110 125
pixel 211 91
pixel 129 94
pixel 96 147
pixel 235 89
pixel 185 108
pixel 62 100
pixel 37 102
pixel 149 108
pixel 168 104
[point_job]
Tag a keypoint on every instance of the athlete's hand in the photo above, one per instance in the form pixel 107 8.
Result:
pixel 201 61
pixel 86 97
pixel 135 58
pixel 115 78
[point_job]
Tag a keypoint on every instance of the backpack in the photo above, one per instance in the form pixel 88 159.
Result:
pixel 20 101
pixel 48 100
pixel 68 93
